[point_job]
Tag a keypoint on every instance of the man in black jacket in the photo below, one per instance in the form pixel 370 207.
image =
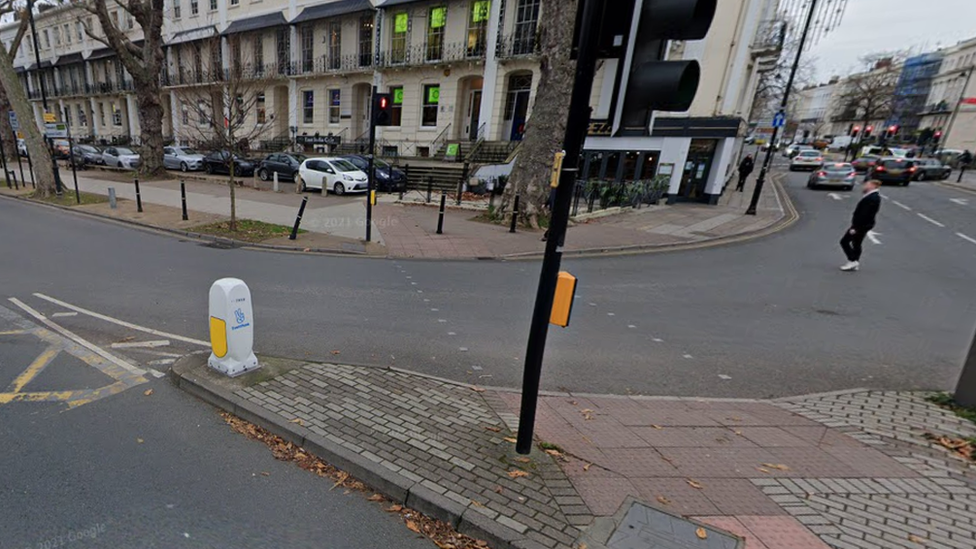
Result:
pixel 861 222
pixel 745 168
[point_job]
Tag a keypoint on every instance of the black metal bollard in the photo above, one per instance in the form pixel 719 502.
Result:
pixel 183 196
pixel 440 215
pixel 16 185
pixel 138 196
pixel 515 213
pixel 464 177
pixel 430 187
pixel 7 175
pixel 298 220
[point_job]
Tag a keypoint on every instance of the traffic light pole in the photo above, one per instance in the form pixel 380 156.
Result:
pixel 371 168
pixel 577 123
pixel 761 180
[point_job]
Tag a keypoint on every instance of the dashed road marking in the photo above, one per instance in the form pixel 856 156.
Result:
pixel 900 205
pixel 687 356
pixel 657 340
pixel 930 220
pixel 724 377
pixel 631 326
pixel 138 344
pixel 966 238
pixel 59 315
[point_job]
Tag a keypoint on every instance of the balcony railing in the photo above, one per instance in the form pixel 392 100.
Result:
pixel 97 88
pixel 329 64
pixel 424 54
pixel 520 43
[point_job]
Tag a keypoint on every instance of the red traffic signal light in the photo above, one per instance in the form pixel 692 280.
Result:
pixel 870 128
pixel 892 129
pixel 857 128
pixel 938 134
pixel 383 109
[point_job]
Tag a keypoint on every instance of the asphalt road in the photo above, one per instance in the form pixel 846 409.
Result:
pixel 770 317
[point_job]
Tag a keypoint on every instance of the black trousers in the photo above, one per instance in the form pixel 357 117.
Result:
pixel 851 243
pixel 742 181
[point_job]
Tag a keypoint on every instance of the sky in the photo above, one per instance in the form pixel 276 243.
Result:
pixel 871 26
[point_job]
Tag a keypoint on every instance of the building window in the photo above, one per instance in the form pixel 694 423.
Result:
pixel 396 110
pixel 80 27
pixel 47 39
pixel 366 41
pixel 197 63
pixel 478 27
pixel 239 103
pixel 57 36
pixel 82 116
pixel 526 21
pixel 194 7
pixel 308 45
pixel 213 5
pixel 260 109
pixel 398 43
pixel 308 107
pixel 67 33
pixel 284 50
pixel 258 55
pixel 115 19
pixel 67 117
pixel 235 2
pixel 30 44
pixel 436 22
pixel 216 60
pixel 334 102
pixel 176 9
pixel 116 115
pixel 432 98
pixel 119 73
pixel 101 114
pixel 235 53
pixel 335 45
pixel 201 113
pixel 129 23
pixel 186 115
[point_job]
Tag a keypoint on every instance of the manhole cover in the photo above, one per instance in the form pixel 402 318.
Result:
pixel 648 528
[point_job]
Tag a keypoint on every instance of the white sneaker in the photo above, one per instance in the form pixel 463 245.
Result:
pixel 850 266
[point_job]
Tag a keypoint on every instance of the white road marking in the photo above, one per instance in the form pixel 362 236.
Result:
pixel 873 237
pixel 835 196
pixel 966 238
pixel 657 340
pixel 78 339
pixel 162 362
pixel 122 322
pixel 413 283
pixel 631 326
pixel 960 201
pixel 452 333
pixel 59 315
pixel 592 304
pixel 930 220
pixel 156 373
pixel 900 205
pixel 135 344
pixel 435 310
pixel 463 349
pixel 477 368
pixel 688 356
pixel 441 320
pixel 725 377
pixel 611 314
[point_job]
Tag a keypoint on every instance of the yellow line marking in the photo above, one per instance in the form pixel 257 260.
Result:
pixel 13 332
pixel 35 368
pixel 43 396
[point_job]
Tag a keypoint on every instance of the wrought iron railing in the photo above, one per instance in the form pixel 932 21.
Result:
pixel 521 43
pixel 423 54
pixel 595 194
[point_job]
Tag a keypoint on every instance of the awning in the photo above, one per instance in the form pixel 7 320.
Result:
pixel 255 23
pixel 69 59
pixel 46 64
pixel 191 35
pixel 20 70
pixel 332 9
pixel 101 53
pixel 388 3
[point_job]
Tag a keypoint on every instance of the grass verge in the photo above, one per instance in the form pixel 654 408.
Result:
pixel 67 198
pixel 248 230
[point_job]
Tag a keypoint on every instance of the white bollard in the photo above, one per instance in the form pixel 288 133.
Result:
pixel 275 176
pixel 231 328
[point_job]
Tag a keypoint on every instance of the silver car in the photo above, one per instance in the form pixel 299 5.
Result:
pixel 121 157
pixel 807 159
pixel 840 174
pixel 182 158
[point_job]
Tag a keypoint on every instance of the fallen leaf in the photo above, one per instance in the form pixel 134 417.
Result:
pixel 663 500
pixel 481 543
pixel 335 352
pixel 915 539
pixel 139 440
pixel 477 503
pixel 523 460
pixel 587 466
pixel 376 497
pixel 694 484
pixel 394 509
pixel 762 469
pixel 493 429
pixel 738 433
pixel 298 421
pixel 518 473
pixel 776 466
pixel 498 489
pixel 307 250
pixel 582 546
pixel 148 392
pixel 510 439
pixel 265 474
pixel 412 526
pixel 733 418
pixel 586 411
pixel 477 389
pixel 658 427
pixel 701 533
pixel 340 478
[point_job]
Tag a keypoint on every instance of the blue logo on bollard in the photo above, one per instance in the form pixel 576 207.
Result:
pixel 239 315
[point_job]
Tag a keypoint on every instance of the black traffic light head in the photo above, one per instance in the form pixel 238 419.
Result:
pixel 382 109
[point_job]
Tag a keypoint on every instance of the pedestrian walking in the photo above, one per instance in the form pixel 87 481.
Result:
pixel 861 222
pixel 745 168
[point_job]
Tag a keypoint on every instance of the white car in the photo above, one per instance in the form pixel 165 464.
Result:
pixel 807 159
pixel 331 174
pixel 121 157
pixel 182 158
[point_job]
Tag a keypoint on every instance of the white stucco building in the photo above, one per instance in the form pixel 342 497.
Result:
pixel 951 105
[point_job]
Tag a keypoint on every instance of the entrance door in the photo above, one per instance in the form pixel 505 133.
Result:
pixel 696 169
pixel 517 105
pixel 474 114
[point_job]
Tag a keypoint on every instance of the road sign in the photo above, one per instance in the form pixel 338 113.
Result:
pixel 55 130
pixel 49 117
pixel 14 124
pixel 779 120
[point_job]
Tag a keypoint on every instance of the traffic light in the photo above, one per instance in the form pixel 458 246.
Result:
pixel 855 130
pixel 868 130
pixel 937 136
pixel 382 109
pixel 654 84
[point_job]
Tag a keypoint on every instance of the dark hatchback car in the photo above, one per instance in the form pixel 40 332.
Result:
pixel 865 163
pixel 930 168
pixel 388 178
pixel 219 162
pixel 898 171
pixel 284 164
pixel 86 155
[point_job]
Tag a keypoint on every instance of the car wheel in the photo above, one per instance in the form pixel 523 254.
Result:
pixel 184 167
pixel 300 182
pixel 263 174
pixel 209 169
pixel 339 189
pixel 120 163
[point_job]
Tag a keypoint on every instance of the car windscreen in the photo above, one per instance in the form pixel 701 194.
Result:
pixel 123 150
pixel 344 165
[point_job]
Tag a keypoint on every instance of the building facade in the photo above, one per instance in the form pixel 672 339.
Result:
pixel 951 105
pixel 912 93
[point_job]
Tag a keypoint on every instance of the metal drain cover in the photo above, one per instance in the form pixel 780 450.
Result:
pixel 648 528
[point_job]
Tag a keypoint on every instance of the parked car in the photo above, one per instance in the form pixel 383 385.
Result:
pixel 839 174
pixel 388 178
pixel 949 157
pixel 930 168
pixel 121 157
pixel 864 163
pixel 21 147
pixel 62 149
pixel 899 171
pixel 218 162
pixel 87 155
pixel 331 174
pixel 807 159
pixel 182 158
pixel 284 164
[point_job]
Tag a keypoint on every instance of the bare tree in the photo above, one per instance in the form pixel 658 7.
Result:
pixel 869 95
pixel 544 130
pixel 143 61
pixel 228 113
pixel 17 96
pixel 772 84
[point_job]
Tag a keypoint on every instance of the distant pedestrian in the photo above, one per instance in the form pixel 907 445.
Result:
pixel 745 168
pixel 861 223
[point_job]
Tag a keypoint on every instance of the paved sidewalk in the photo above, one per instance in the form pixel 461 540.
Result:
pixel 848 470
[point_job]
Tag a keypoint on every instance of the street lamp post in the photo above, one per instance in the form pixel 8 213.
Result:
pixel 40 78
pixel 761 180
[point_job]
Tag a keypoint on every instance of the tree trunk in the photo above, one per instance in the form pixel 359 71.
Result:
pixel 544 130
pixel 233 197
pixel 6 132
pixel 40 155
pixel 151 128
